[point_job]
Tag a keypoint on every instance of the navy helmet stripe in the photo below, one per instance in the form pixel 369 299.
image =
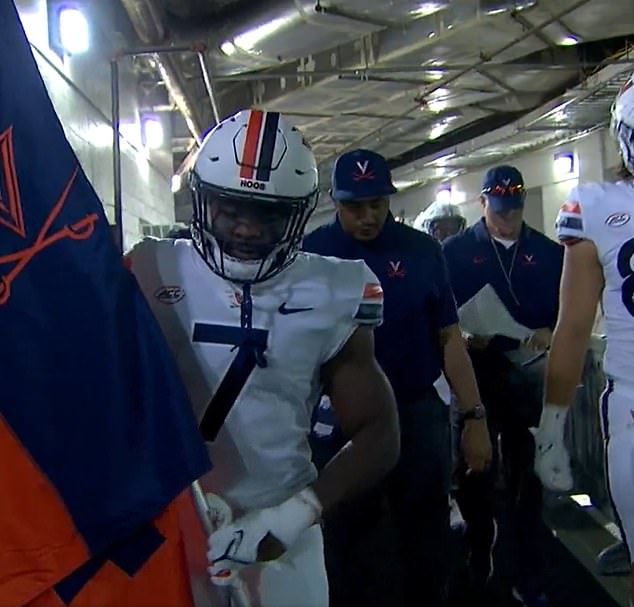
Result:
pixel 268 146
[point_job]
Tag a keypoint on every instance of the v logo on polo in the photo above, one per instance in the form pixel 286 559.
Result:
pixel 394 270
pixel 529 260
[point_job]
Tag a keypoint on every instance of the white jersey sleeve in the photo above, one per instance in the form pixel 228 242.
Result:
pixel 358 294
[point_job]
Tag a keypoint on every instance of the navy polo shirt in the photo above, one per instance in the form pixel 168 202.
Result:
pixel 534 264
pixel 418 301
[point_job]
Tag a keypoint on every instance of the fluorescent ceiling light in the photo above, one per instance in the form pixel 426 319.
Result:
pixel 401 185
pixel 228 48
pixel 74 33
pixel 152 132
pixel 569 41
pixel 428 8
pixel 251 38
pixel 564 165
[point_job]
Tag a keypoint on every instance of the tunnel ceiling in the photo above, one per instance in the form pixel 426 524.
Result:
pixel 438 87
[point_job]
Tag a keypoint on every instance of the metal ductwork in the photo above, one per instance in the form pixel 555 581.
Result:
pixel 288 30
pixel 148 22
pixel 283 31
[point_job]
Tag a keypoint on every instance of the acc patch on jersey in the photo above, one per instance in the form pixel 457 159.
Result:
pixel 370 310
pixel 169 295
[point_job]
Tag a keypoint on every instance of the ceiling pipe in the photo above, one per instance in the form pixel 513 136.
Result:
pixel 147 19
pixel 404 69
pixel 352 15
pixel 443 82
pixel 211 93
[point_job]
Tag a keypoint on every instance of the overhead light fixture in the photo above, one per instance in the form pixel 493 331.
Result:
pixel 525 4
pixel 438 100
pixel 442 160
pixel 435 74
pixel 228 48
pixel 569 41
pixel 248 40
pixel 437 130
pixel 564 164
pixel 496 11
pixel 177 182
pixel 404 184
pixel 74 33
pixel 428 8
pixel 151 131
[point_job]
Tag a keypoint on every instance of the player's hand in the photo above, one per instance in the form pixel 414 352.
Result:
pixel 261 535
pixel 477 342
pixel 476 445
pixel 552 464
pixel 552 461
pixel 540 340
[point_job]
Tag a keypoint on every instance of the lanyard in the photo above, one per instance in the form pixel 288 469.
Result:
pixel 507 274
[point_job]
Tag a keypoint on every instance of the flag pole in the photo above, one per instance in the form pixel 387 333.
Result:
pixel 116 151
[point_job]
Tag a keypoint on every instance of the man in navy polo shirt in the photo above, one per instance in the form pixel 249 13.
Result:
pixel 524 267
pixel 418 338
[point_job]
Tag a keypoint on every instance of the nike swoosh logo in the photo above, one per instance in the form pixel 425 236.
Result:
pixel 284 310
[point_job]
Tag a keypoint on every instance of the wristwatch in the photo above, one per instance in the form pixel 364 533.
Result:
pixel 478 412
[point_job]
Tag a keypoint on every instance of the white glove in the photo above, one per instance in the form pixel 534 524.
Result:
pixel 236 544
pixel 552 462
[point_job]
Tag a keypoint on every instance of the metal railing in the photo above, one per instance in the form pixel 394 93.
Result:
pixel 584 436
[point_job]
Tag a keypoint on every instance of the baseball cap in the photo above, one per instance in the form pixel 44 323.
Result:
pixel 360 174
pixel 504 188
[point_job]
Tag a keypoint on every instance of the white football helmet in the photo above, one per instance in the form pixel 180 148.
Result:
pixel 623 123
pixel 440 220
pixel 254 186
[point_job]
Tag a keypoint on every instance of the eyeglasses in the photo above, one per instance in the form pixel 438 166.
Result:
pixel 504 190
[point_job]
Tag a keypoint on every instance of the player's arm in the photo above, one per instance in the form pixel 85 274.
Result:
pixel 365 407
pixel 366 410
pixel 580 291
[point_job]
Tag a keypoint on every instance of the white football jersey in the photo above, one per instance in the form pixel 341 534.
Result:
pixel 301 318
pixel 602 213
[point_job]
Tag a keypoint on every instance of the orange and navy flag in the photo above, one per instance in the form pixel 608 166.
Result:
pixel 97 437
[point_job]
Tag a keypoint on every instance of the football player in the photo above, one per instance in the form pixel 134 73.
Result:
pixel 260 331
pixel 597 228
pixel 440 220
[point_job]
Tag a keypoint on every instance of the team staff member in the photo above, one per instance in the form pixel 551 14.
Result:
pixel 524 267
pixel 419 334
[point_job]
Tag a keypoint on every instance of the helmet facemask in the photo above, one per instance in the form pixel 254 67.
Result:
pixel 246 237
pixel 625 138
pixel 441 228
pixel 622 124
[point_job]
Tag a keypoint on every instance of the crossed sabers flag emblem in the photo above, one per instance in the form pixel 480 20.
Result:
pixel 11 217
